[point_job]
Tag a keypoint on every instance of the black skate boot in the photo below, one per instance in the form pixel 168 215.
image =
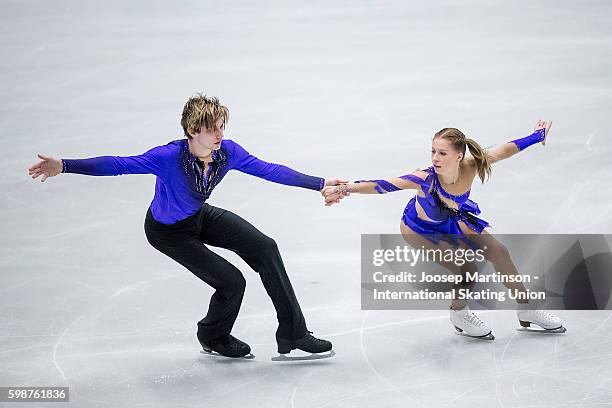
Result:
pixel 227 346
pixel 308 343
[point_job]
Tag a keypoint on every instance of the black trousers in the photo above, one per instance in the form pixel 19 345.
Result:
pixel 185 241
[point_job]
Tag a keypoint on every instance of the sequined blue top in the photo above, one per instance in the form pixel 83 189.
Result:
pixel 181 187
pixel 437 211
pixel 443 222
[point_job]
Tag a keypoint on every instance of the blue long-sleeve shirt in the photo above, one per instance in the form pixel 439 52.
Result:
pixel 181 187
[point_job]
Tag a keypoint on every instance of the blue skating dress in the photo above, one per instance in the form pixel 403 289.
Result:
pixel 444 224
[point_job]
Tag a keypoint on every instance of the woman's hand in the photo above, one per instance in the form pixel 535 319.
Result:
pixel 46 167
pixel 333 194
pixel 543 125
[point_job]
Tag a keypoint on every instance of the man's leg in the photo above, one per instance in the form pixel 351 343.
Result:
pixel 225 229
pixel 181 242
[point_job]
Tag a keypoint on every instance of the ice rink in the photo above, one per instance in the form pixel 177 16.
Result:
pixel 349 89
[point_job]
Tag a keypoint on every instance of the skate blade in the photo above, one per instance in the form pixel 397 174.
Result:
pixel 211 353
pixel 319 356
pixel 489 336
pixel 559 330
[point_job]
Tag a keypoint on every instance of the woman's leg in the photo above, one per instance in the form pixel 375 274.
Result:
pixel 497 254
pixel 417 241
pixel 461 317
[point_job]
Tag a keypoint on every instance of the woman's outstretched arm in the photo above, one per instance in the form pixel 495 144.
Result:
pixel 507 150
pixel 407 182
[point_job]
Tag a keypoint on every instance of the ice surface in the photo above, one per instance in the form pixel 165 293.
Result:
pixel 337 89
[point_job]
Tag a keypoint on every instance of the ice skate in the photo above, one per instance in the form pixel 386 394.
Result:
pixel 307 343
pixel 468 324
pixel 547 321
pixel 227 346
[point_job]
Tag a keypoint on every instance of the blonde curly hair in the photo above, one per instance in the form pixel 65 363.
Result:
pixel 201 110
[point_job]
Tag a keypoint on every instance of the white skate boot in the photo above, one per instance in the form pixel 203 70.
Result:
pixel 468 324
pixel 549 323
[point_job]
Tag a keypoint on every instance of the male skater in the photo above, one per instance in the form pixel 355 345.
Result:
pixel 180 224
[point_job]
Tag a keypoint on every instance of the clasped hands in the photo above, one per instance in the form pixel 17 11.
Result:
pixel 334 191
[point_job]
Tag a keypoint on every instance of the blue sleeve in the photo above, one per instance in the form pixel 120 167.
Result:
pixel 245 162
pixel 152 162
pixel 382 186
pixel 525 142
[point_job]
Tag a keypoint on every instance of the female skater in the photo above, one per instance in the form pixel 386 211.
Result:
pixel 442 216
pixel 179 222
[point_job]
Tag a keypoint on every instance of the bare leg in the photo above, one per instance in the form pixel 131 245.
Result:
pixel 459 303
pixel 417 241
pixel 497 254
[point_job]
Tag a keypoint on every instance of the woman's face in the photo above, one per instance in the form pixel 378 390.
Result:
pixel 444 157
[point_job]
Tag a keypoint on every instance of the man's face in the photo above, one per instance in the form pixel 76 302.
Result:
pixel 210 138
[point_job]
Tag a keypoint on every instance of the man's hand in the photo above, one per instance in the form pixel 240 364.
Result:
pixel 334 182
pixel 333 194
pixel 46 167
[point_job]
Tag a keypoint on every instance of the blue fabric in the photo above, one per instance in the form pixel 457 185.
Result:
pixel 382 186
pixel 525 142
pixel 181 187
pixel 444 224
